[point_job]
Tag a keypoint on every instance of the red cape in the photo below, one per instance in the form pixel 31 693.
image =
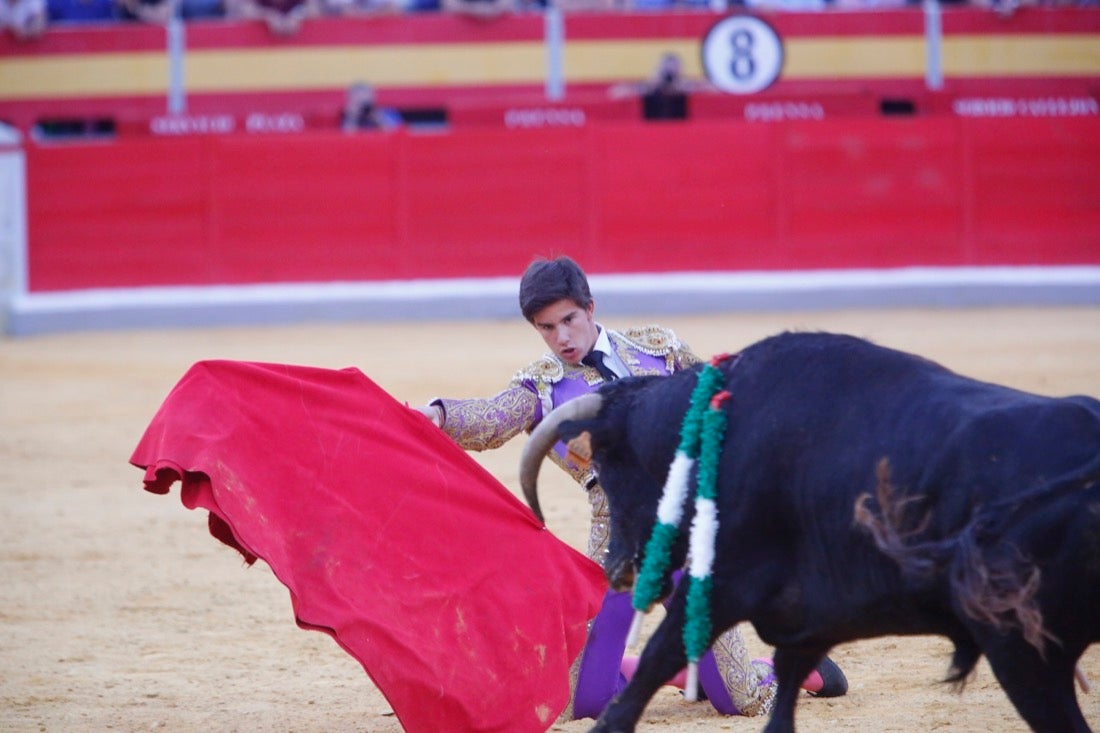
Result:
pixel 462 608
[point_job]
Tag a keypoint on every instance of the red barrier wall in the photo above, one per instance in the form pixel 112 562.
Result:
pixel 622 196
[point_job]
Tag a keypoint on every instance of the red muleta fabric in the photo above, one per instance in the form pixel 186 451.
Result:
pixel 464 611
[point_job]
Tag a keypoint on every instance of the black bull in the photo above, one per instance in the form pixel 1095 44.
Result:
pixel 865 492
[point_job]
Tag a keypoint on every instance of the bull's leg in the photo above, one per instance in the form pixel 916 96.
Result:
pixel 792 666
pixel 661 659
pixel 1042 692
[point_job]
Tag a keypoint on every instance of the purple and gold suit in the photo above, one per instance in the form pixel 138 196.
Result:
pixel 733 682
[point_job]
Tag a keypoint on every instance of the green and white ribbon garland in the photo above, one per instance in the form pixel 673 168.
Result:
pixel 704 529
pixel 701 436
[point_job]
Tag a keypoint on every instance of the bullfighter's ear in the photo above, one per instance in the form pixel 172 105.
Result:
pixel 580 450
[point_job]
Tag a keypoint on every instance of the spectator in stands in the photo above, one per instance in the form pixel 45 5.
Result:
pixel 362 7
pixel 485 9
pixel 796 5
pixel 82 11
pixel 156 12
pixel 646 5
pixel 198 9
pixel 664 95
pixel 283 17
pixel 1006 8
pixel 570 6
pixel 159 12
pixel 361 112
pixel 25 18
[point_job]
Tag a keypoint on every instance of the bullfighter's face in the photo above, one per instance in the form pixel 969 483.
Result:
pixel 568 329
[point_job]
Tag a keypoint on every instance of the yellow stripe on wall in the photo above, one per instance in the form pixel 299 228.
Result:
pixel 611 61
pixel 91 75
pixel 392 65
pixel 840 58
pixel 1063 55
pixel 442 65
pixel 615 61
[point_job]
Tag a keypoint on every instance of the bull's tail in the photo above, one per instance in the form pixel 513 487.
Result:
pixel 963 661
pixel 995 588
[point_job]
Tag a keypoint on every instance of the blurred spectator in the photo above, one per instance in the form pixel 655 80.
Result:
pixel 157 12
pixel 1006 8
pixel 792 5
pixel 82 11
pixel 25 18
pixel 361 112
pixel 283 17
pixel 362 7
pixel 478 8
pixel 875 4
pixel 569 6
pixel 197 9
pixel 664 95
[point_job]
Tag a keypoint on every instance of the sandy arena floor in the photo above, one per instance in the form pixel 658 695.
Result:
pixel 119 612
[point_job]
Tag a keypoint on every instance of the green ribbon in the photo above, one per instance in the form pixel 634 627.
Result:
pixel 697 626
pixel 693 432
pixel 647 588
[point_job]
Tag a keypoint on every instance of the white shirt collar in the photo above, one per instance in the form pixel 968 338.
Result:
pixel 603 342
pixel 603 345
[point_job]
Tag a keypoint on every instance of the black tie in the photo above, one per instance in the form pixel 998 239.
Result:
pixel 595 359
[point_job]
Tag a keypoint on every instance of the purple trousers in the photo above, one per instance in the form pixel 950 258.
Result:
pixel 599 678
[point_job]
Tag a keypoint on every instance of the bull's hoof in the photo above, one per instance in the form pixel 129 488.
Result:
pixel 605 726
pixel 835 684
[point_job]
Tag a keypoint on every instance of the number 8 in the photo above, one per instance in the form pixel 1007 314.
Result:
pixel 742 54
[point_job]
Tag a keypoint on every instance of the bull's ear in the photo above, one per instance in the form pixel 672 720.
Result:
pixel 580 450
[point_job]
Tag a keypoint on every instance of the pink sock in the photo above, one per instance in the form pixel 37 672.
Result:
pixel 812 683
pixel 630 665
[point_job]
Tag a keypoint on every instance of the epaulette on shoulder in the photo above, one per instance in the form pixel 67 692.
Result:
pixel 545 369
pixel 652 340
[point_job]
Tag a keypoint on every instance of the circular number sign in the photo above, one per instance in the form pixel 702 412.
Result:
pixel 742 54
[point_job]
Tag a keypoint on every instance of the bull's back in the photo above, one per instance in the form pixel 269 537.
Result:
pixel 807 401
pixel 818 420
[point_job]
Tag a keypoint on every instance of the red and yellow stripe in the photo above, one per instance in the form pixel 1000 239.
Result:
pixel 444 53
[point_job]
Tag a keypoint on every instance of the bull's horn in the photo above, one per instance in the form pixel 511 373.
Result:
pixel 542 440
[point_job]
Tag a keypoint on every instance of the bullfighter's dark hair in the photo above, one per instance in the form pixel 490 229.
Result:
pixel 548 281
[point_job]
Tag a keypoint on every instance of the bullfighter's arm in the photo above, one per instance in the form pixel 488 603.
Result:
pixel 482 424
